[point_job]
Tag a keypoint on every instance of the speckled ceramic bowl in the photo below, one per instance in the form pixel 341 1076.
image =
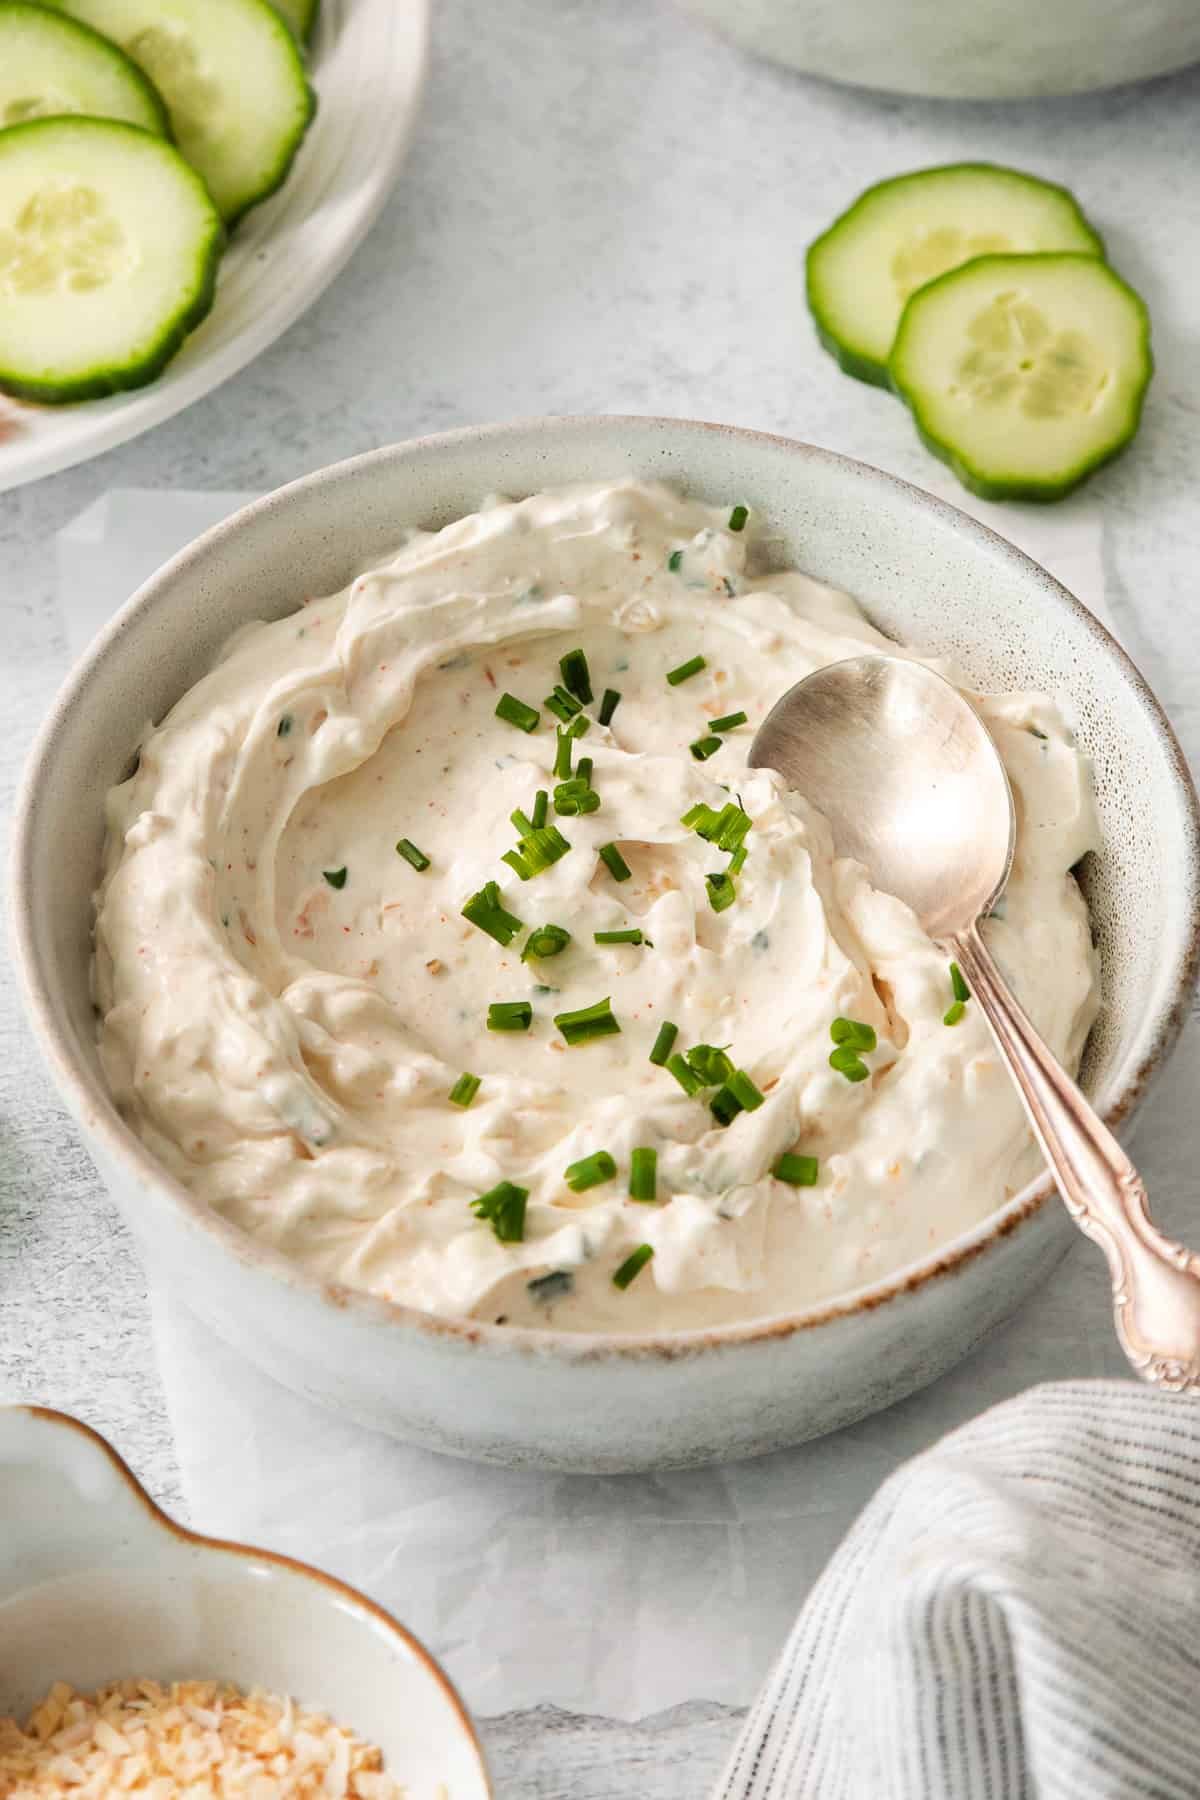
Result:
pixel 968 49
pixel 928 576
pixel 98 1585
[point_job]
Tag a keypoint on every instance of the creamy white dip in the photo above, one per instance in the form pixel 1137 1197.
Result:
pixel 286 1046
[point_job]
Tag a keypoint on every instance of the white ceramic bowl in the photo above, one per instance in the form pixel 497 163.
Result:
pixel 967 49
pixel 928 576
pixel 98 1585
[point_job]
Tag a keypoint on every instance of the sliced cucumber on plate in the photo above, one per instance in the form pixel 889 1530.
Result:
pixel 233 78
pixel 301 15
pixel 902 233
pixel 50 65
pixel 109 244
pixel 1024 373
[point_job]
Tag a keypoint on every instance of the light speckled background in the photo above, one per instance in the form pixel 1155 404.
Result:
pixel 605 209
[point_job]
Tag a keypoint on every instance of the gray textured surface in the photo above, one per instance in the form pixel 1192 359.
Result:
pixel 605 209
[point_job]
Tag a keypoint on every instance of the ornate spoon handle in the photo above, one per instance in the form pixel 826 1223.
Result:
pixel 1155 1282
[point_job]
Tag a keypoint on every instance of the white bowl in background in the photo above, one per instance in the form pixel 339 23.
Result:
pixel 927 575
pixel 98 1585
pixel 967 49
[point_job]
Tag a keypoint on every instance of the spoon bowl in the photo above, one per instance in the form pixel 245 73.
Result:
pixel 907 774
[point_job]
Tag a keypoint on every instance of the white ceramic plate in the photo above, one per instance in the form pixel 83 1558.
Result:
pixel 368 65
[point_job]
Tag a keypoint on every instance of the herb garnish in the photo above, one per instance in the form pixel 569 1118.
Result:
pixel 589 1171
pixel 562 703
pixel 664 1042
pixel 509 1015
pixel 464 1089
pixel 631 935
pixel 686 670
pixel 729 722
pixel 685 1075
pixel 588 1022
pixel 614 862
pixel 958 983
pixel 721 891
pixel 536 852
pixel 633 1265
pixel 335 877
pixel 284 726
pixel 503 1208
pixel 853 1038
pixel 710 1064
pixel 545 940
pixel 797 1171
pixel 609 705
pixel 738 517
pixel 577 679
pixel 541 806
pixel 562 753
pixel 643 1175
pixel 703 748
pixel 408 850
pixel 515 712
pixel 484 910
pixel 674 561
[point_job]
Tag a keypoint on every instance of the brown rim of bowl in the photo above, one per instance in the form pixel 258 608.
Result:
pixel 88 1100
pixel 292 1564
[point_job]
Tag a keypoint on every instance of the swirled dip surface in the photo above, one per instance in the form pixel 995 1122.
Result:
pixel 286 1046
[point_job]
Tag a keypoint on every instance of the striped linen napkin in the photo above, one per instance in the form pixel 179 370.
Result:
pixel 1015 1616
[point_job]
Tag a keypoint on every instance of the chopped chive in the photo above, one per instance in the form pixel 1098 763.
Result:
pixel 674 561
pixel 643 1175
pixel 744 1091
pixel 509 1015
pixel 583 770
pixel 562 753
pixel 737 861
pixel 853 1033
pixel 633 1265
pixel 515 712
pixel 738 517
pixel 687 1078
pixel 484 910
pixel 335 877
pixel 503 1208
pixel 588 1022
pixel 700 818
pixel 563 705
pixel 544 941
pixel 541 806
pixel 728 722
pixel 541 849
pixel 408 850
pixel 522 821
pixel 464 1089
pixel 797 1171
pixel 954 1013
pixel 663 1043
pixel 609 705
pixel 517 864
pixel 590 1171
pixel 614 862
pixel 284 726
pixel 577 680
pixel 632 935
pixel 732 825
pixel 686 670
pixel 725 1105
pixel 548 1288
pixel 703 748
pixel 958 983
pixel 579 727
pixel 849 1063
pixel 721 891
pixel 709 1063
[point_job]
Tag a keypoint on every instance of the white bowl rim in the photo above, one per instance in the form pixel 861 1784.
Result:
pixel 123 1145
pixel 162 1521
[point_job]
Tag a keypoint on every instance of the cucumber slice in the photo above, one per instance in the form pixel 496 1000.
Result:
pixel 1024 373
pixel 50 65
pixel 902 233
pixel 109 245
pixel 301 15
pixel 233 78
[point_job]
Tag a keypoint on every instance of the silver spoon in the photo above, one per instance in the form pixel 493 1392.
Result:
pixel 913 787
